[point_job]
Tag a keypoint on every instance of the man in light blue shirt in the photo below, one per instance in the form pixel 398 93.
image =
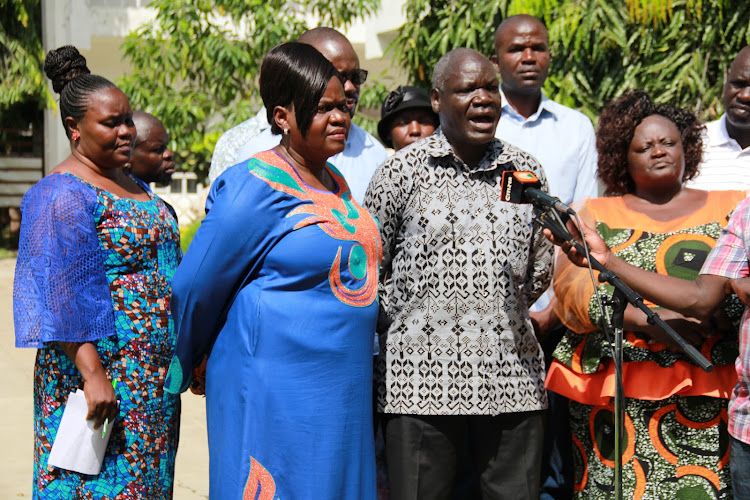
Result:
pixel 363 153
pixel 561 138
pixel 563 141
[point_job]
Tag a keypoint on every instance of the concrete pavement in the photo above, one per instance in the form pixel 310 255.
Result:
pixel 16 408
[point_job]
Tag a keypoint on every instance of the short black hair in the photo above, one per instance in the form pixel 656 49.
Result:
pixel 445 66
pixel 71 78
pixel 509 21
pixel 617 125
pixel 294 73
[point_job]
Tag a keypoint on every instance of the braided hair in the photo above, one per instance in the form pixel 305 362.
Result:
pixel 71 78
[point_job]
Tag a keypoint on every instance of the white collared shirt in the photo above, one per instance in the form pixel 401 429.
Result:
pixel 562 139
pixel 725 164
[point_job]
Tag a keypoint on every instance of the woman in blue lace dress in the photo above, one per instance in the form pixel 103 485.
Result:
pixel 92 289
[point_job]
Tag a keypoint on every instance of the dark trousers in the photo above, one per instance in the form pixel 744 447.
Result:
pixel 423 453
pixel 558 474
pixel 739 461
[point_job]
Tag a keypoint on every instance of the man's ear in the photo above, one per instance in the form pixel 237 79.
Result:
pixel 495 63
pixel 435 100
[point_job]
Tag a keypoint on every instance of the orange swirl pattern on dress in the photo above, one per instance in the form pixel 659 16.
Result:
pixel 339 216
pixel 260 483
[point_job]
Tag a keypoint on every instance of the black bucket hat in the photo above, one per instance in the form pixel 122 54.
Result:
pixel 402 98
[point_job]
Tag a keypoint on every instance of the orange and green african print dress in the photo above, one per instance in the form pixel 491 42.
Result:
pixel 676 441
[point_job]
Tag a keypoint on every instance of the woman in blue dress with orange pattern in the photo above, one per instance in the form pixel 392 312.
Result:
pixel 279 288
pixel 96 256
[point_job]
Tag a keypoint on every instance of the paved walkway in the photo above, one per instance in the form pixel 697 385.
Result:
pixel 16 407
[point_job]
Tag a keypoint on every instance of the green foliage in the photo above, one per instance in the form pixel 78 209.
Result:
pixel 194 70
pixel 680 53
pixel 678 50
pixel 21 55
pixel 434 27
pixel 371 96
pixel 187 234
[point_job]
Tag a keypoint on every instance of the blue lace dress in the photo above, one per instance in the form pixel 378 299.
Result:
pixel 93 267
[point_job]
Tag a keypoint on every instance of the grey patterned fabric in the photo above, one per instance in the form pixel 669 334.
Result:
pixel 460 269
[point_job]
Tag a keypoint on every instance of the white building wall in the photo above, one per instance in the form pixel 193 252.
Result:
pixel 98 28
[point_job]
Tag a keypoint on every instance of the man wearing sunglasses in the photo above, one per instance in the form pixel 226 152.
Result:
pixel 363 152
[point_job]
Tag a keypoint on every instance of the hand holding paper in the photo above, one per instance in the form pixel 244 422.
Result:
pixel 78 446
pixel 100 399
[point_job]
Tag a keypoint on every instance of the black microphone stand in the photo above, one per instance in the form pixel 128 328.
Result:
pixel 618 303
pixel 552 220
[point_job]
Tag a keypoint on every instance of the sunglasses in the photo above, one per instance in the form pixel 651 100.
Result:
pixel 357 77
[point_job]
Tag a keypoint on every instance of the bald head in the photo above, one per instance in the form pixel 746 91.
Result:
pixel 740 61
pixel 320 35
pixel 336 48
pixel 737 96
pixel 151 160
pixel 448 64
pixel 330 43
pixel 144 123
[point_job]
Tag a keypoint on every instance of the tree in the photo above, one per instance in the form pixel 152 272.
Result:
pixel 21 53
pixel 23 90
pixel 196 69
pixel 196 65
pixel 678 50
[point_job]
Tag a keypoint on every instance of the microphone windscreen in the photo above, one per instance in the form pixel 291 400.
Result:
pixel 515 182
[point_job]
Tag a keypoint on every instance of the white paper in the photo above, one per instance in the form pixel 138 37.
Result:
pixel 78 447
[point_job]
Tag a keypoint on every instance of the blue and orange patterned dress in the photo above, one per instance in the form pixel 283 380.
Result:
pixel 93 267
pixel 279 287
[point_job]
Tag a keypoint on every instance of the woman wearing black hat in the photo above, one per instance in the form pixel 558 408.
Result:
pixel 405 117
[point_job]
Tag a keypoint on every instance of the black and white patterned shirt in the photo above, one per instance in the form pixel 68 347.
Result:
pixel 460 269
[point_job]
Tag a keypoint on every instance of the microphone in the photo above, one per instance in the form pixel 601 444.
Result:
pixel 524 187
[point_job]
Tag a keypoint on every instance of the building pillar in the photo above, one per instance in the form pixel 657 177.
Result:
pixel 64 22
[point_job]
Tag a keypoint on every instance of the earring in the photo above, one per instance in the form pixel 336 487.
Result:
pixel 286 131
pixel 75 136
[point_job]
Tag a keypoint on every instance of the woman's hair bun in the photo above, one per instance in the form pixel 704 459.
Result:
pixel 63 65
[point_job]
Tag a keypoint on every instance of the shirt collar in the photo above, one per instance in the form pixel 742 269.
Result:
pixel 437 146
pixel 545 104
pixel 721 135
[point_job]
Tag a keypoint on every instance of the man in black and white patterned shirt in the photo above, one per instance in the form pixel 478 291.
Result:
pixel 460 269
